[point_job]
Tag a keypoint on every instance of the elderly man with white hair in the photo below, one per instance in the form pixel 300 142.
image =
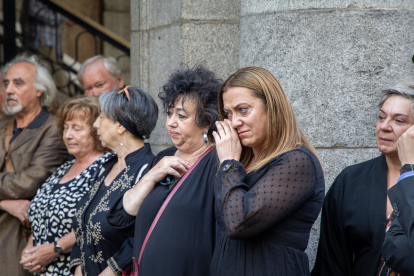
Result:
pixel 29 152
pixel 100 74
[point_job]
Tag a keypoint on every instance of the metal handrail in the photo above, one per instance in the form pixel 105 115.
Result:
pixel 90 25
pixel 14 42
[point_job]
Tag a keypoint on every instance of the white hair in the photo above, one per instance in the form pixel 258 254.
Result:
pixel 43 80
pixel 109 63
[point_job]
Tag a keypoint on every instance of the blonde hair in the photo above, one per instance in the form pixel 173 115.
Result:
pixel 283 131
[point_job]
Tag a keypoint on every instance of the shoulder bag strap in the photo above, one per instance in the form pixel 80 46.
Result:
pixel 161 210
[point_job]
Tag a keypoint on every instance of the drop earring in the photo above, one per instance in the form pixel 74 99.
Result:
pixel 121 143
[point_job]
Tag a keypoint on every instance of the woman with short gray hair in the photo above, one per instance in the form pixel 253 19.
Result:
pixel 404 88
pixel 356 212
pixel 126 118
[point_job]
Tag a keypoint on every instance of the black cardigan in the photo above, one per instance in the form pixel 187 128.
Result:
pixel 353 221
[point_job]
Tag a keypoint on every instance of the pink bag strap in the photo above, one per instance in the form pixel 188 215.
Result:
pixel 163 206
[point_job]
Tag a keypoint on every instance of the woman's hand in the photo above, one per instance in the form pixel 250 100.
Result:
pixel 78 271
pixel 228 144
pixel 172 165
pixel 405 145
pixel 36 258
pixel 17 208
pixel 134 197
pixel 25 256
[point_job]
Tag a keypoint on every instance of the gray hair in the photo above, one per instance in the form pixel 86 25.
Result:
pixel 404 88
pixel 109 63
pixel 43 80
pixel 140 111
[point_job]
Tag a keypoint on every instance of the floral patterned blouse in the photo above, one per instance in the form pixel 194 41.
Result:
pixel 98 244
pixel 52 209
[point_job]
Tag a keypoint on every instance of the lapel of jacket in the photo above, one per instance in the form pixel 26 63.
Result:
pixel 24 137
pixel 3 124
pixel 27 135
pixel 378 199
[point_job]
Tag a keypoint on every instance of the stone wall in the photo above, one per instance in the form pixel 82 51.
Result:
pixel 117 18
pixel 166 34
pixel 331 57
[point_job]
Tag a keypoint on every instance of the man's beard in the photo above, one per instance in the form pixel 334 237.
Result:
pixel 10 110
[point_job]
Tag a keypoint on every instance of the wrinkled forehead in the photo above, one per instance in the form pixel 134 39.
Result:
pixel 21 70
pixel 95 71
pixel 397 104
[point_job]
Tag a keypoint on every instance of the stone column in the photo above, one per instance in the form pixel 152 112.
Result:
pixel 116 17
pixel 332 58
pixel 166 34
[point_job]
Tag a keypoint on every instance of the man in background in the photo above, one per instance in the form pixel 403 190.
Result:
pixel 100 74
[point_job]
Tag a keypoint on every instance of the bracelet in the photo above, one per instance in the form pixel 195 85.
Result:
pixel 229 168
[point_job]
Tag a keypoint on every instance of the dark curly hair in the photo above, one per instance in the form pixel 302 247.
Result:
pixel 200 85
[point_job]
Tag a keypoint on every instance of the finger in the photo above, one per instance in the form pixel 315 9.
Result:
pixel 220 129
pixel 216 136
pixel 24 261
pixel 36 269
pixel 30 260
pixel 184 163
pixel 26 258
pixel 172 161
pixel 27 265
pixel 22 219
pixel 30 250
pixel 180 169
pixel 227 128
pixel 173 172
pixel 175 163
pixel 231 128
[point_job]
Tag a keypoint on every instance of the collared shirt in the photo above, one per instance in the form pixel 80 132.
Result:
pixel 405 175
pixel 36 123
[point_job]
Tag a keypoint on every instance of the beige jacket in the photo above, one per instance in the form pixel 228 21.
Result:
pixel 35 155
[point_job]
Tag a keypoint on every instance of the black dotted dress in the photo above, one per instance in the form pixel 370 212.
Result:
pixel 265 217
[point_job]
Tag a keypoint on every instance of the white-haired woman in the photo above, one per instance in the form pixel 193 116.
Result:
pixel 356 211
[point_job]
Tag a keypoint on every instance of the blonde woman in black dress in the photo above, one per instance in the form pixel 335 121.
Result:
pixel 270 185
